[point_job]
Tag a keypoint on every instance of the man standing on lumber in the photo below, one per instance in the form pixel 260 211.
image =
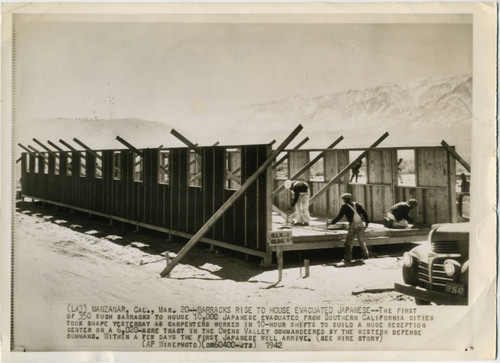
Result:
pixel 300 200
pixel 355 170
pixel 398 215
pixel 355 214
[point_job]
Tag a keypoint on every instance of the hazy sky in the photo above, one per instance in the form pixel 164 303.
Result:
pixel 171 71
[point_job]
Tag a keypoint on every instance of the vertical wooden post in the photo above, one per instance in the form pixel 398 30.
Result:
pixel 327 208
pixel 306 268
pixel 230 202
pixel 279 256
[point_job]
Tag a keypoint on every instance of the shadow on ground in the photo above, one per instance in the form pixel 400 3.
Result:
pixel 221 263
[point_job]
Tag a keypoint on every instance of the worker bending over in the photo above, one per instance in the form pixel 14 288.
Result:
pixel 300 200
pixel 398 215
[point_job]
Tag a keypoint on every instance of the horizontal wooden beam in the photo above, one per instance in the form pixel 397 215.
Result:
pixel 156 228
pixel 346 169
pixel 211 221
pixel 456 155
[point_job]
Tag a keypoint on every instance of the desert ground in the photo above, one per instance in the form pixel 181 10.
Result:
pixel 63 257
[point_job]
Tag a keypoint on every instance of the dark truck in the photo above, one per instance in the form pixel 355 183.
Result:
pixel 437 271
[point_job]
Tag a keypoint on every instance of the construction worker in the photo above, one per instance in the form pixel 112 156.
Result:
pixel 355 170
pixel 400 170
pixel 355 214
pixel 300 200
pixel 398 217
pixel 465 184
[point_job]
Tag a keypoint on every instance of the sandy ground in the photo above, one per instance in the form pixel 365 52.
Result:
pixel 62 257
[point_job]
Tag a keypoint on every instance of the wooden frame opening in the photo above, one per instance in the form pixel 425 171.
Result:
pixel 98 165
pixel 83 164
pixel 138 167
pixel 164 167
pixel 117 165
pixel 194 169
pixel 233 169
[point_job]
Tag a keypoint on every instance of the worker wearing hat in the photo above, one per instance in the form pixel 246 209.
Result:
pixel 355 214
pixel 398 215
pixel 300 200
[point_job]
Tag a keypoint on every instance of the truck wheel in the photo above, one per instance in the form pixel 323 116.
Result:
pixel 422 302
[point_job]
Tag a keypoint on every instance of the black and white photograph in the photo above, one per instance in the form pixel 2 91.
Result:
pixel 258 182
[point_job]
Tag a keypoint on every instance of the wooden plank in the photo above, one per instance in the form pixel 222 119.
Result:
pixel 127 196
pixel 88 149
pixel 55 146
pixel 175 188
pixel 26 149
pixel 229 202
pixel 45 147
pixel 297 160
pixel 262 200
pixel 251 208
pixel 456 155
pixel 160 229
pixel 285 157
pixel 219 169
pixel 346 170
pixel 107 178
pixel 183 189
pixel 452 192
pixel 186 141
pixel 128 145
pixel 208 170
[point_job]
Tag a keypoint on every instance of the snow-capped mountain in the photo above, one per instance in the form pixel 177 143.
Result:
pixel 419 113
pixel 441 107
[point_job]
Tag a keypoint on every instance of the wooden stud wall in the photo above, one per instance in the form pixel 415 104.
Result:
pixel 297 159
pixel 434 190
pixel 175 206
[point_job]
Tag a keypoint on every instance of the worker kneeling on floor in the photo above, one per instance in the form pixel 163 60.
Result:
pixel 398 215
pixel 300 200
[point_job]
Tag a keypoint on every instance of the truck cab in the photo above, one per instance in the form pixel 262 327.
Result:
pixel 437 271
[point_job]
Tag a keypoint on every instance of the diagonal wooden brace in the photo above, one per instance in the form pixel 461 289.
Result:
pixel 45 147
pixel 307 166
pixel 229 202
pixel 186 141
pixel 299 145
pixel 346 169
pixel 128 145
pixel 55 146
pixel 456 155
pixel 92 152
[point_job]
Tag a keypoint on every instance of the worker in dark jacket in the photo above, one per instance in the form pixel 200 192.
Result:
pixel 355 214
pixel 300 200
pixel 355 170
pixel 398 215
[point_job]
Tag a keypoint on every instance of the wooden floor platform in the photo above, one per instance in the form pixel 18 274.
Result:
pixel 318 236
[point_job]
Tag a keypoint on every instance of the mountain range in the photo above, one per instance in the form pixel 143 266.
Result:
pixel 419 113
